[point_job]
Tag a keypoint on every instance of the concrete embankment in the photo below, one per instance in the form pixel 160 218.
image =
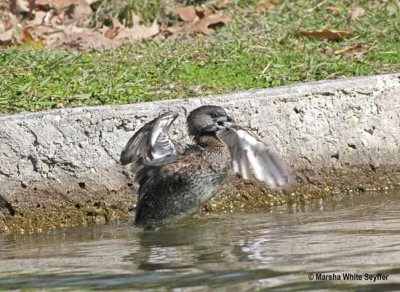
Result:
pixel 60 168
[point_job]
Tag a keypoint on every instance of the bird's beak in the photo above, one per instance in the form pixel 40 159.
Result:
pixel 224 122
pixel 220 123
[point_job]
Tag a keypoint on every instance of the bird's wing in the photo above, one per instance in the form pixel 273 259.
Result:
pixel 250 155
pixel 151 145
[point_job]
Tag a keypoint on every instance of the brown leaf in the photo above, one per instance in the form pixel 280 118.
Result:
pixel 7 24
pixel 356 13
pixel 58 4
pixel 356 51
pixel 78 38
pixel 23 6
pixel 28 39
pixel 204 11
pixel 204 24
pixel 264 6
pixel 223 3
pixel 325 34
pixel 185 13
pixel 111 32
pixel 334 10
pixel 78 14
pixel 71 36
pixel 171 30
pixel 26 36
pixel 6 38
pixel 137 32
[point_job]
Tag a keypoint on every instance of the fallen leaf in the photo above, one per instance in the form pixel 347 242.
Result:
pixel 325 34
pixel 6 38
pixel 204 24
pixel 111 32
pixel 58 4
pixel 223 3
pixel 172 30
pixel 356 51
pixel 78 38
pixel 23 6
pixel 27 39
pixel 78 14
pixel 264 6
pixel 356 13
pixel 38 19
pixel 138 31
pixel 26 36
pixel 334 10
pixel 185 13
pixel 6 25
pixel 203 11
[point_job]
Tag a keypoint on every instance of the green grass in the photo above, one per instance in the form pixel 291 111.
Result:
pixel 253 51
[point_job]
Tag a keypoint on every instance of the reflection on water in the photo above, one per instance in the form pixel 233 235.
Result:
pixel 276 250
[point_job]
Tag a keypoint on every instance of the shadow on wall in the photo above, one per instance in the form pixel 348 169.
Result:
pixel 4 204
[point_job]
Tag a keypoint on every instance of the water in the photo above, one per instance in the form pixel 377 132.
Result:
pixel 277 249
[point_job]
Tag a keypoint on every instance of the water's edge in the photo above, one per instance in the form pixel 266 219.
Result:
pixel 282 248
pixel 60 168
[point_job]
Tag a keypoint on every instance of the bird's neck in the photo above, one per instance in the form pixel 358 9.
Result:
pixel 209 141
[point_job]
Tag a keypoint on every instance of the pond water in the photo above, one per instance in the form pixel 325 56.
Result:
pixel 298 247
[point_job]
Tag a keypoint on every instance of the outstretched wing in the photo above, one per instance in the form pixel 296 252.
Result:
pixel 250 155
pixel 151 145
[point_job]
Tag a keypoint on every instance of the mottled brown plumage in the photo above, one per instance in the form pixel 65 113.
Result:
pixel 175 181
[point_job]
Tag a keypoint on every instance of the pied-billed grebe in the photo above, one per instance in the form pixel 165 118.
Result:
pixel 175 181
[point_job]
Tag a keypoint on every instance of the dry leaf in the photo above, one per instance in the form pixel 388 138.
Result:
pixel 356 13
pixel 172 30
pixel 27 39
pixel 334 10
pixel 38 19
pixel 6 38
pixel 23 6
pixel 58 4
pixel 203 11
pixel 26 36
pixel 204 24
pixel 6 25
pixel 72 36
pixel 356 51
pixel 223 3
pixel 78 37
pixel 325 34
pixel 111 32
pixel 185 13
pixel 138 31
pixel 264 6
pixel 78 14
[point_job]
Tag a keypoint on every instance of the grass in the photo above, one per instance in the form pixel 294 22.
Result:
pixel 253 51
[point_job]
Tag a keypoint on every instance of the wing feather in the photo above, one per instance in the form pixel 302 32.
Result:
pixel 151 144
pixel 250 155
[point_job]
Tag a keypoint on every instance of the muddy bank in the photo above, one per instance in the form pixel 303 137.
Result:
pixel 60 168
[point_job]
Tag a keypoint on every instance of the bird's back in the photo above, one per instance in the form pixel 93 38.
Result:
pixel 179 188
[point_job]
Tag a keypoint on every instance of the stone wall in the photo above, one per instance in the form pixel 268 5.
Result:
pixel 60 168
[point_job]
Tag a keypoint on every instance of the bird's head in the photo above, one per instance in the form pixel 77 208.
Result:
pixel 207 120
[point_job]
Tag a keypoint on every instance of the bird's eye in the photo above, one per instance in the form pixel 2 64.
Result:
pixel 220 123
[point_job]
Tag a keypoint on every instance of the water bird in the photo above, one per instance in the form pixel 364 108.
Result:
pixel 175 180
